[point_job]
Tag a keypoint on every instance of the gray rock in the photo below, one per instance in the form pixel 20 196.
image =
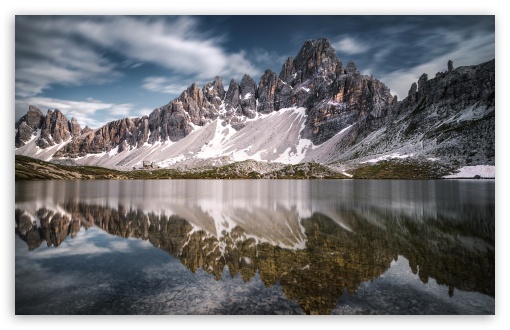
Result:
pixel 232 96
pixel 266 92
pixel 316 57
pixel 450 117
pixel 23 134
pixel 28 125
pixel 214 92
pixel 287 74
pixel 74 127
pixel 351 68
pixel 56 129
pixel 422 86
pixel 450 66
pixel 283 95
pixel 248 94
pixel 411 95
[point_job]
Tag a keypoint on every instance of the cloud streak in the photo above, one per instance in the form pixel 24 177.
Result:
pixel 47 55
pixel 139 61
pixel 464 51
pixel 176 45
pixel 348 45
pixel 76 51
pixel 163 85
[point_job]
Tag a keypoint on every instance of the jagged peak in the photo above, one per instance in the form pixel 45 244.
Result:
pixel 317 43
pixel 315 56
pixel 268 72
pixel 217 81
pixel 450 65
pixel 314 46
pixel 422 80
pixel 287 69
pixel 33 108
pixel 193 87
pixel 246 77
pixel 351 67
pixel 413 89
pixel 56 112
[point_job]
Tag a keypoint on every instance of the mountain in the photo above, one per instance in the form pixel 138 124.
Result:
pixel 315 110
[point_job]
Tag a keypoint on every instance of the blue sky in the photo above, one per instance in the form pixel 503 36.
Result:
pixel 102 68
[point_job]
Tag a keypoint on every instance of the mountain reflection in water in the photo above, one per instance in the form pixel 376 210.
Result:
pixel 316 239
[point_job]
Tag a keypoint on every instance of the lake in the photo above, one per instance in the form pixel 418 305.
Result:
pixel 255 247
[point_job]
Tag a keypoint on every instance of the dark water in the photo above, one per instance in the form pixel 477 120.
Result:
pixel 255 247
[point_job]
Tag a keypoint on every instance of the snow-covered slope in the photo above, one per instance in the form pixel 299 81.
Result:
pixel 272 137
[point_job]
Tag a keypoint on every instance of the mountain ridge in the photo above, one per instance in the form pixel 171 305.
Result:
pixel 315 110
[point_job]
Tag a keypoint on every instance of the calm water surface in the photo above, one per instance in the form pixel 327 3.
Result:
pixel 255 247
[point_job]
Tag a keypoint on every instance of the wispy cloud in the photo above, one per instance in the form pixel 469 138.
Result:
pixel 75 51
pixel 143 112
pixel 178 44
pixel 265 59
pixel 462 51
pixel 47 55
pixel 348 45
pixel 163 85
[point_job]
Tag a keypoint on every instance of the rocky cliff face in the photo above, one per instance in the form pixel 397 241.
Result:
pixel 49 130
pixel 335 97
pixel 450 115
pixel 267 92
pixel 28 126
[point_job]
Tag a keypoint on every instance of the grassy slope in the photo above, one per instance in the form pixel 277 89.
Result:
pixel 32 169
pixel 401 169
pixel 27 168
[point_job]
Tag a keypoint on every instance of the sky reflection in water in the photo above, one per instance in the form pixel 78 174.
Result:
pixel 255 247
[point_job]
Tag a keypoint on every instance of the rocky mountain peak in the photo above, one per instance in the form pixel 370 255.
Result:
pixel 74 128
pixel 248 95
pixel 232 96
pixel 316 56
pixel 287 70
pixel 266 92
pixel 34 117
pixel 351 68
pixel 28 125
pixel 54 130
pixel 201 106
pixel 412 90
pixel 214 92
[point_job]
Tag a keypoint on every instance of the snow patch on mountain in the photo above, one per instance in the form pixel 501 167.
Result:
pixel 215 147
pixel 31 149
pixel 469 172
pixel 387 157
pixel 326 151
pixel 272 137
